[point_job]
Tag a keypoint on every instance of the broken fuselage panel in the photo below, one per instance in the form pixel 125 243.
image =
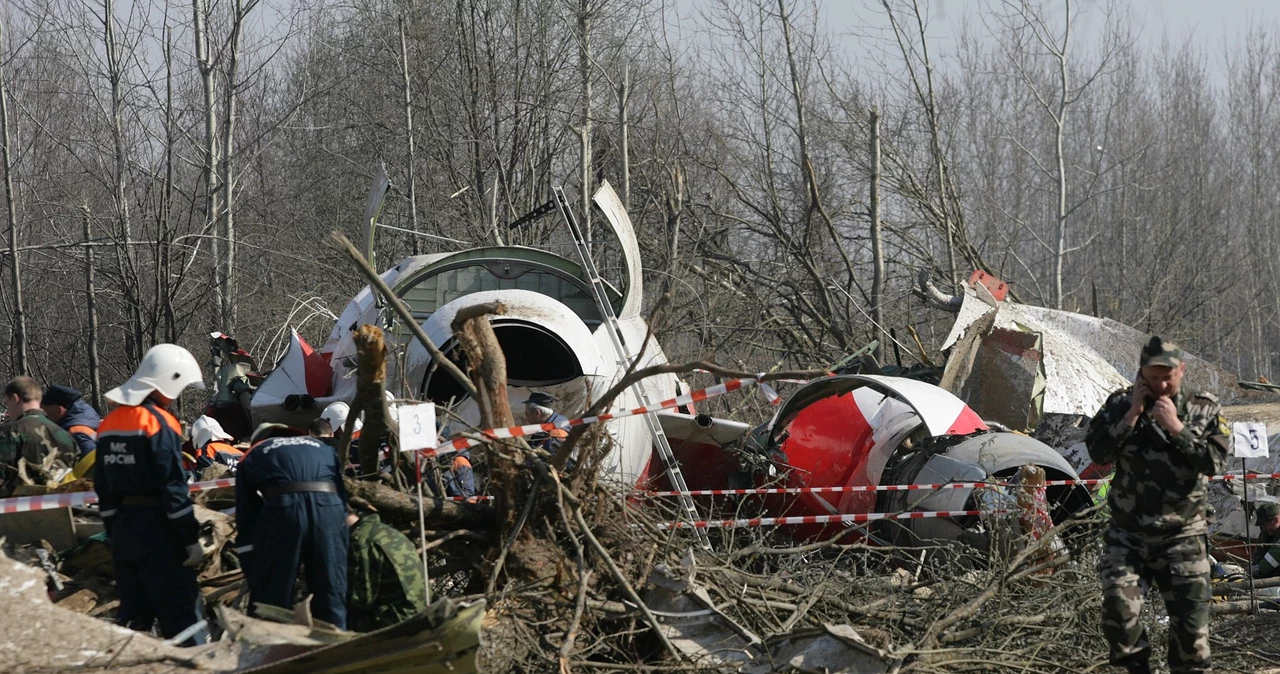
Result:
pixel 865 430
pixel 552 335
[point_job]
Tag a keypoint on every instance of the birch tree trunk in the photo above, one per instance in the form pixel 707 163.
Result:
pixel 204 64
pixel 15 265
pixel 124 221
pixel 408 138
pixel 584 129
pixel 1060 132
pixel 877 243
pixel 91 302
pixel 228 304
pixel 624 93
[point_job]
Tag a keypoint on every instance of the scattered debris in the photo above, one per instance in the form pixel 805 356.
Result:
pixel 820 650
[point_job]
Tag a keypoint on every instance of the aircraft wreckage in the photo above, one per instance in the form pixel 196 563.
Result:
pixel 559 335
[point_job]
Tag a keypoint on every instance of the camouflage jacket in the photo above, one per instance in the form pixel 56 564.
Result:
pixel 384 579
pixel 48 449
pixel 1158 490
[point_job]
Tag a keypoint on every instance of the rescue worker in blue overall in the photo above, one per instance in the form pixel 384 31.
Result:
pixel 460 481
pixel 291 510
pixel 143 498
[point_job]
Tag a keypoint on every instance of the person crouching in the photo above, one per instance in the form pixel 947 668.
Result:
pixel 291 510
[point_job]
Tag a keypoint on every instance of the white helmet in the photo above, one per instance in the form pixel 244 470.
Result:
pixel 336 415
pixel 167 368
pixel 206 429
pixel 393 410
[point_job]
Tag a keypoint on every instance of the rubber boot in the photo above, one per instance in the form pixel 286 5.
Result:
pixel 1143 667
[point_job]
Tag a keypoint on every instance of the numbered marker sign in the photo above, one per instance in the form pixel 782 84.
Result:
pixel 1249 439
pixel 417 427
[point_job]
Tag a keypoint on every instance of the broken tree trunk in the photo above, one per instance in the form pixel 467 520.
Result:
pixel 488 369
pixel 402 311
pixel 371 377
pixel 401 510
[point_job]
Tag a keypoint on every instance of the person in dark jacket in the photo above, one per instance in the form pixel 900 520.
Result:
pixel 210 444
pixel 144 502
pixel 1266 557
pixel 385 577
pixel 291 511
pixel 67 408
pixel 537 410
pixel 33 449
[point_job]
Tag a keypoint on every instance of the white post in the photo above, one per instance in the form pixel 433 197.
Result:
pixel 422 527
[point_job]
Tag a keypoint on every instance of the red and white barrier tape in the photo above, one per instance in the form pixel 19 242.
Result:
pixel 1251 476
pixel 821 490
pixel 213 484
pixel 769 392
pixel 22 504
pixel 914 487
pixel 823 519
pixel 689 398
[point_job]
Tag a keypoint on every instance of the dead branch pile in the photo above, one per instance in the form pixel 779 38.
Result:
pixel 578 577
pixel 598 588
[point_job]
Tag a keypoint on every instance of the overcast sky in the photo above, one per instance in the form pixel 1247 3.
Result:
pixel 1209 23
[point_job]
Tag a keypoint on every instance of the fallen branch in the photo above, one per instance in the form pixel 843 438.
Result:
pixel 1242 587
pixel 1007 621
pixel 618 577
pixel 402 311
pixel 928 292
pixel 401 509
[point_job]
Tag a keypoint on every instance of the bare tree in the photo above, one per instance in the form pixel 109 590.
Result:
pixel 212 208
pixel 1029 39
pixel 877 238
pixel 10 198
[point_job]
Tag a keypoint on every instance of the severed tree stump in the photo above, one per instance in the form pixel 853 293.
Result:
pixel 487 367
pixel 371 378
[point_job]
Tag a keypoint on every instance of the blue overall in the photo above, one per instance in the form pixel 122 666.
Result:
pixel 147 511
pixel 308 528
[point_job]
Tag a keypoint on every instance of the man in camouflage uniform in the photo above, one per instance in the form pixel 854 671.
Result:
pixel 1164 440
pixel 385 583
pixel 33 449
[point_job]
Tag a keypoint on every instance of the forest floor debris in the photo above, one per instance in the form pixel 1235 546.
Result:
pixel 759 602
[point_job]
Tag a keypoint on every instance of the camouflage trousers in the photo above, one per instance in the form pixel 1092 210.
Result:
pixel 1180 568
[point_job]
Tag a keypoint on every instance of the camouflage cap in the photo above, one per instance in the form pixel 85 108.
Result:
pixel 1161 351
pixel 1265 511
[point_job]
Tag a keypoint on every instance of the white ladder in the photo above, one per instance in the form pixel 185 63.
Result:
pixel 624 359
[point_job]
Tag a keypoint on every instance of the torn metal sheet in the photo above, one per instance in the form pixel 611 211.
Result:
pixel 1000 372
pixel 1085 358
pixel 693 624
pixel 830 648
pixel 442 640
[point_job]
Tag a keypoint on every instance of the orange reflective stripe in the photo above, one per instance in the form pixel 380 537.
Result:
pixel 84 430
pixel 216 447
pixel 129 419
pixel 460 462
